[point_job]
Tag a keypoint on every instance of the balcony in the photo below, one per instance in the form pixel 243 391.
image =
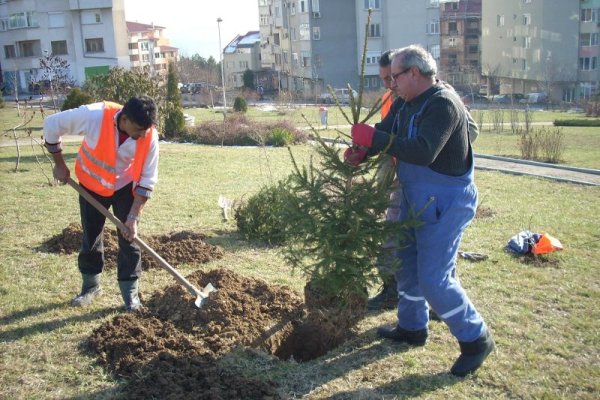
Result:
pixel 89 4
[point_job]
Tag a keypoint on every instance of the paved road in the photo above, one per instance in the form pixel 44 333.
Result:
pixel 561 173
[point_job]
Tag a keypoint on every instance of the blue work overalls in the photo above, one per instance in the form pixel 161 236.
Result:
pixel 445 205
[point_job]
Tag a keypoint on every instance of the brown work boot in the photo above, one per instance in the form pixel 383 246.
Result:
pixel 397 334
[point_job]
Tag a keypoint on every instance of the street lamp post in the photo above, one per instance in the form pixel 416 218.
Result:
pixel 219 20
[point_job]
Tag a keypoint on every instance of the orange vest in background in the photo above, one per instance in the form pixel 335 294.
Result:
pixel 96 168
pixel 386 103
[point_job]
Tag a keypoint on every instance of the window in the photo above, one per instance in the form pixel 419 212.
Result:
pixel 316 33
pixel 243 64
pixel 306 59
pixel 29 48
pixel 435 51
pixel 157 55
pixel 452 6
pixel 526 19
pixel 295 58
pixel 499 20
pixel 4 24
pixel 134 57
pixel 293 33
pixel 293 9
pixel 303 6
pixel 9 51
pixel 375 30
pixel 372 57
pixel 276 39
pixel 56 20
pixel 587 63
pixel 524 65
pixel 452 42
pixel 304 32
pixel 434 3
pixel 315 5
pixel 473 49
pixel 59 47
pixel 588 39
pixel 589 14
pixel 262 2
pixel 145 57
pixel 264 19
pixel 526 42
pixel 452 28
pixel 22 20
pixel 95 45
pixel 133 46
pixel 89 17
pixel 374 4
pixel 433 28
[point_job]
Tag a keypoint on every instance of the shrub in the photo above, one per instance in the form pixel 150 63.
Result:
pixel 238 130
pixel 240 105
pixel 1 101
pixel 260 217
pixel 280 137
pixel 76 98
pixel 577 122
pixel 549 143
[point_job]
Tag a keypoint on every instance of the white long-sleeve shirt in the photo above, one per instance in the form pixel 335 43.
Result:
pixel 87 121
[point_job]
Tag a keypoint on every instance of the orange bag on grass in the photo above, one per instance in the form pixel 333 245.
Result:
pixel 546 244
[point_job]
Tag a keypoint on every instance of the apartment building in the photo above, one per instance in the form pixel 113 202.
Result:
pixel 588 70
pixel 241 54
pixel 315 43
pixel 460 36
pixel 533 46
pixel 395 24
pixel 88 34
pixel 149 49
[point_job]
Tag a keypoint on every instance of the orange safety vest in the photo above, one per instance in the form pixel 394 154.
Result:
pixel 96 168
pixel 386 103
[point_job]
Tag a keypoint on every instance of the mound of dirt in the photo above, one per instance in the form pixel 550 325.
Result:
pixel 176 247
pixel 171 349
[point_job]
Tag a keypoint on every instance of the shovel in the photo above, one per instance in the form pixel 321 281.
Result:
pixel 200 295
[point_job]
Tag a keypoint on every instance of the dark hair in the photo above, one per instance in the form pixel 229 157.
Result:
pixel 141 110
pixel 385 60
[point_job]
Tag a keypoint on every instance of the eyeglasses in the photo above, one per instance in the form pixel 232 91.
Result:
pixel 397 75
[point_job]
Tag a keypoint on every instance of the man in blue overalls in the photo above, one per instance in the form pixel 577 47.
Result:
pixel 430 141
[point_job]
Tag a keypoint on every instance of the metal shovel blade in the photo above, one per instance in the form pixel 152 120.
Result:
pixel 203 295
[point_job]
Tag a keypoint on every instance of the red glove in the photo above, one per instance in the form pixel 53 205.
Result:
pixel 362 135
pixel 354 156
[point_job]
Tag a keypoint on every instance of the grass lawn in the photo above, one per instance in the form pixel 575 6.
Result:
pixel 544 315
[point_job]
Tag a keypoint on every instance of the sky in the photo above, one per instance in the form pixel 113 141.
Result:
pixel 192 25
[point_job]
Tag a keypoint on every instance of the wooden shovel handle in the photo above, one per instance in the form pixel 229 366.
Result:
pixel 163 263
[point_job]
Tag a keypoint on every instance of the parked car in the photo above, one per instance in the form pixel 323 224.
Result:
pixel 534 98
pixel 507 98
pixel 343 96
pixel 474 98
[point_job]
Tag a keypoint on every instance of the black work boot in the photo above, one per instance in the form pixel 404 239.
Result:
pixel 433 316
pixel 90 289
pixel 397 334
pixel 472 354
pixel 387 299
pixel 130 293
